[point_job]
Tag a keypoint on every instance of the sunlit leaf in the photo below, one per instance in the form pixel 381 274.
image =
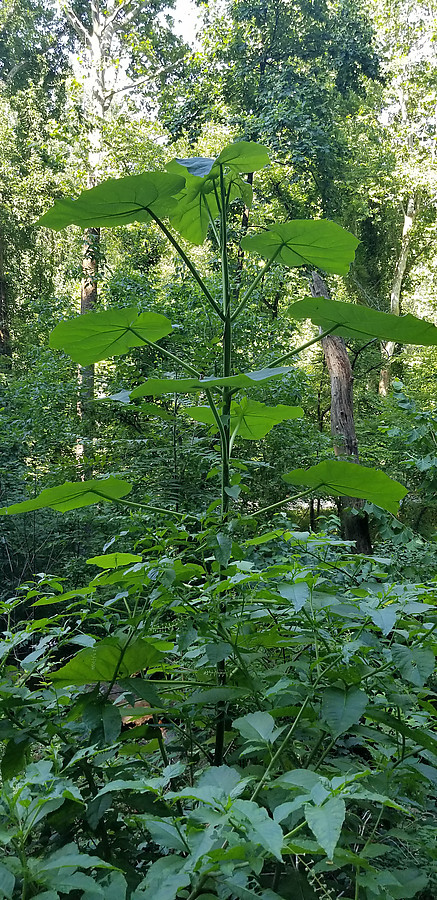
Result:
pixel 303 242
pixel 250 419
pixel 244 156
pixel 154 387
pixel 336 477
pixel 114 560
pixel 197 202
pixel 364 323
pixel 72 495
pixel 102 335
pixel 117 201
pixel 106 658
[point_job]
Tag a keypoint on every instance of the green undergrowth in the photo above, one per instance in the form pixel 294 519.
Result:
pixel 326 786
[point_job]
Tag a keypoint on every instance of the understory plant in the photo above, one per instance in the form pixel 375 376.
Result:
pixel 248 713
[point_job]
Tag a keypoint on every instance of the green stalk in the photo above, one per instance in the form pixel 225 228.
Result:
pixel 254 285
pixel 225 435
pixel 196 275
pixel 158 509
pixel 281 359
pixel 282 502
pixel 169 354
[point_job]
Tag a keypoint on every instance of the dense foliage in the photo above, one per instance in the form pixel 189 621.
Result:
pixel 206 692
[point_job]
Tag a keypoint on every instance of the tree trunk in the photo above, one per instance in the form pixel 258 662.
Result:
pixel 5 342
pixel 354 527
pixel 388 349
pixel 88 300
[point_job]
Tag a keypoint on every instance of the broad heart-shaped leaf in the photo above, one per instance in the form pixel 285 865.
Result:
pixel 101 335
pixel 197 202
pixel 326 823
pixel 415 664
pixel 154 387
pixel 72 495
pixel 250 419
pixel 244 157
pixel 301 242
pixel 117 201
pixel 364 323
pixel 336 477
pixel 257 726
pixel 341 709
pixel 106 658
pixel 261 829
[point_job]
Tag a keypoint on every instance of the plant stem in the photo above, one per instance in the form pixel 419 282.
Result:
pixel 169 354
pixel 281 359
pixel 225 433
pixel 196 275
pixel 282 502
pixel 158 509
pixel 254 285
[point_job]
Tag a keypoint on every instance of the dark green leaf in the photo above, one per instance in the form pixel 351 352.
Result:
pixel 7 881
pixel 341 709
pixel 111 720
pixel 72 495
pixel 361 322
pixel 14 757
pixel 102 335
pixel 335 477
pixel 415 664
pixel 117 201
pixel 417 735
pixel 306 242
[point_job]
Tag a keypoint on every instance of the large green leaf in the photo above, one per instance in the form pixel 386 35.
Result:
pixel 197 202
pixel 415 664
pixel 117 201
pixel 72 495
pixel 101 335
pixel 261 829
pixel 341 709
pixel 364 323
pixel 105 658
pixel 335 477
pixel 304 242
pixel 326 823
pixel 244 156
pixel 250 419
pixel 154 387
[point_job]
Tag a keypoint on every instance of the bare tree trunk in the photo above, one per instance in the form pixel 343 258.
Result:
pixel 389 348
pixel 5 342
pixel 354 527
pixel 88 300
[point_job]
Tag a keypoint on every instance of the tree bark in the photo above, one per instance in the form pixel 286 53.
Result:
pixel 354 527
pixel 389 348
pixel 5 339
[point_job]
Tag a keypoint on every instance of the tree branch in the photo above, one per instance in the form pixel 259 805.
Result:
pixel 76 23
